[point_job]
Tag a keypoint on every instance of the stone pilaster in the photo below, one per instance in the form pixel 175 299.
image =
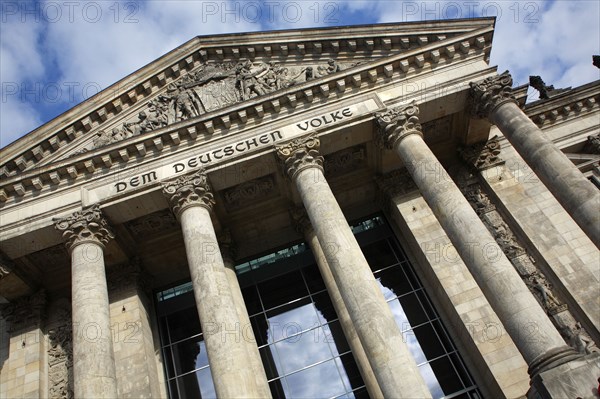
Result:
pixel 130 310
pixel 60 352
pixel 392 364
pixel 191 200
pixel 303 226
pixel 502 286
pixel 86 233
pixel 24 370
pixel 492 98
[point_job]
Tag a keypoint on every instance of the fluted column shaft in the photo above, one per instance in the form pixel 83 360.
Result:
pixel 394 367
pixel 534 335
pixel 191 200
pixel 493 99
pixel 226 244
pixel 94 372
pixel 366 372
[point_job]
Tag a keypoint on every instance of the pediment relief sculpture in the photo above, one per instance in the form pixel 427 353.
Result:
pixel 214 86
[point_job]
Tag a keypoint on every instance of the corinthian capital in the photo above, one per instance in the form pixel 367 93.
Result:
pixel 397 123
pixel 189 190
pixel 299 154
pixel 89 225
pixel 491 93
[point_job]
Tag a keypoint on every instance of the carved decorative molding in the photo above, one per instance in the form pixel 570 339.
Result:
pixel 128 275
pixel 542 290
pixel 345 160
pixel 18 185
pixel 397 123
pixel 152 224
pixel 26 312
pixel 592 145
pixel 301 220
pixel 299 154
pixel 396 182
pixel 189 190
pixel 482 156
pixel 250 192
pixel 6 265
pixel 227 246
pixel 490 93
pixel 60 356
pixel 88 225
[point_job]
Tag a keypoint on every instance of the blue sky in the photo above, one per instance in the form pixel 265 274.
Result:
pixel 55 54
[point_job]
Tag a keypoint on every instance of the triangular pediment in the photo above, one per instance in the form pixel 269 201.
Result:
pixel 211 73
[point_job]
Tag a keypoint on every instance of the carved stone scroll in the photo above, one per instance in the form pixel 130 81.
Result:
pixel 189 190
pixel 26 312
pixel 88 225
pixel 490 93
pixel 299 154
pixel 482 156
pixel 396 123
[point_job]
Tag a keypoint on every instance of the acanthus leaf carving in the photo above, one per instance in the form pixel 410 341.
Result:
pixel 60 355
pixel 26 311
pixel 490 93
pixel 397 123
pixel 592 145
pixel 189 190
pixel 299 154
pixel 88 225
pixel 482 156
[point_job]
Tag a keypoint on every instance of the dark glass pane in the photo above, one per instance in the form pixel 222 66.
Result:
pixel 173 392
pixel 437 325
pixel 164 330
pixel 277 390
pixel 395 281
pixel 271 362
pixel 335 337
pixel 184 324
pixel 251 300
pixel 426 304
pixel 412 308
pixel 410 274
pixel 462 371
pixel 260 328
pixel 325 310
pixel 197 385
pixel 446 375
pixel 398 251
pixel 350 374
pixel 313 278
pixel 429 342
pixel 320 381
pixel 282 289
pixel 303 350
pixel 360 393
pixel 379 255
pixel 169 361
pixel 189 355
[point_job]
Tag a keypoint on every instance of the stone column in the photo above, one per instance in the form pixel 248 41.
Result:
pixel 492 98
pixel 227 251
pixel 538 341
pixel 191 199
pixel 86 233
pixel 392 363
pixel 305 228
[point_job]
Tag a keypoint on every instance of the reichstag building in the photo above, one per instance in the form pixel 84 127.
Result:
pixel 368 211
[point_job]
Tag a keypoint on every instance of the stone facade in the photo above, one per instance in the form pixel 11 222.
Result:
pixel 267 143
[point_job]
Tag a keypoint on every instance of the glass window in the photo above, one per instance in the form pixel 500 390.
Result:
pixel 300 340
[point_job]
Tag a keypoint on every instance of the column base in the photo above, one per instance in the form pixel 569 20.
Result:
pixel 577 378
pixel 551 359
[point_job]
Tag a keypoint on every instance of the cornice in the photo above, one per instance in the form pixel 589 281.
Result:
pixel 565 106
pixel 99 110
pixel 350 81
